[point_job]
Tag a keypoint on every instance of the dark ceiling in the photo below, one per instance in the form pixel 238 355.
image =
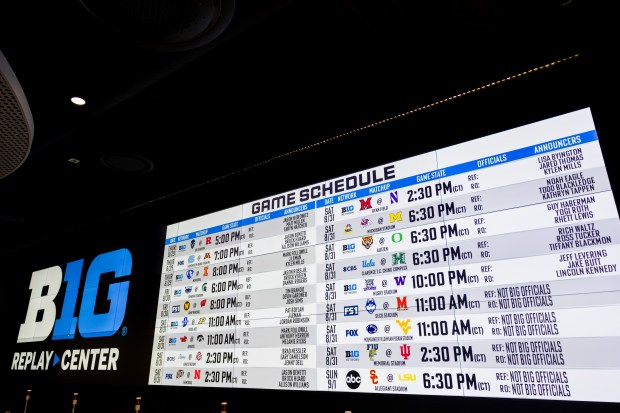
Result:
pixel 181 94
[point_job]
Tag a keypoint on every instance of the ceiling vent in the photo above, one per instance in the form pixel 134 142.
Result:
pixel 16 127
pixel 168 25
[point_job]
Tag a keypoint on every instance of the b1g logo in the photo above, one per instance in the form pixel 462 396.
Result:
pixel 45 285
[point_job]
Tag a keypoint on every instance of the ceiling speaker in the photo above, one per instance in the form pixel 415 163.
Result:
pixel 16 127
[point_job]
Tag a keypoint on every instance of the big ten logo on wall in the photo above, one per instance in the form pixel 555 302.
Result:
pixel 94 320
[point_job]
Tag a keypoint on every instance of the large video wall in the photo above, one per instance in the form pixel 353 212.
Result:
pixel 485 269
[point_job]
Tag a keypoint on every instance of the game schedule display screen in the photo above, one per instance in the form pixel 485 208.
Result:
pixel 486 269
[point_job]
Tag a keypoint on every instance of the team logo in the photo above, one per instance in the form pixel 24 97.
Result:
pixel 368 263
pixel 372 351
pixel 407 377
pixel 398 258
pixel 373 377
pixel 370 284
pixel 365 222
pixel 365 204
pixel 180 373
pixel 192 244
pixel 401 303
pixel 189 274
pixel 204 287
pixel 397 216
pixel 405 351
pixel 371 305
pixel 393 197
pixel 367 241
pixel 186 305
pixel 372 328
pixel 404 325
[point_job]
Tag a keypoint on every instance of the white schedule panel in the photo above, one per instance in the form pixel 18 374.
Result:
pixel 486 269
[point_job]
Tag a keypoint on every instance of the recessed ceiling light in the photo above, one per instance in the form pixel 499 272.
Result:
pixel 10 219
pixel 73 160
pixel 78 101
pixel 127 163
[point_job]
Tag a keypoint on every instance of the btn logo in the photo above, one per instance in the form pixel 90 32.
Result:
pixel 45 285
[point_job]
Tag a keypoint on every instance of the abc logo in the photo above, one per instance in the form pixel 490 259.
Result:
pixel 45 285
pixel 353 379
